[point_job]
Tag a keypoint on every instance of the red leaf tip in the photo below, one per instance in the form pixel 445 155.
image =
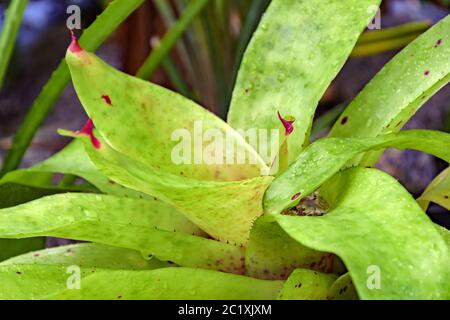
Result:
pixel 288 124
pixel 74 45
pixel 88 129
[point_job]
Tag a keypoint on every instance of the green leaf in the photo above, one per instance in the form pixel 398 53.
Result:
pixel 438 191
pixel 321 160
pixel 225 210
pixel 21 186
pixel 157 126
pixel 38 274
pixel 343 289
pixel 272 254
pixel 129 223
pixel 307 285
pixel 87 255
pixel 74 160
pixel 8 35
pixel 297 50
pixel 114 14
pixel 49 282
pixel 399 89
pixel 380 233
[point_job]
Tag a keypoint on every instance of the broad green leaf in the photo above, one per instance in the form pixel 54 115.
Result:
pixel 129 223
pixel 390 247
pixel 343 289
pixel 307 285
pixel 18 187
pixel 321 160
pixel 52 269
pixel 272 254
pixel 87 255
pixel 50 282
pixel 159 127
pixel 438 191
pixel 297 50
pixel 74 160
pixel 400 88
pixel 225 210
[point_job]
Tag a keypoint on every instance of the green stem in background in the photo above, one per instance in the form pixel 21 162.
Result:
pixel 373 48
pixel 170 20
pixel 379 41
pixel 395 32
pixel 11 26
pixel 171 37
pixel 92 38
pixel 172 71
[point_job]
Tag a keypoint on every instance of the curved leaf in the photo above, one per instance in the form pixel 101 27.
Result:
pixel 438 191
pixel 297 50
pixel 225 210
pixel 49 282
pixel 74 160
pixel 87 255
pixel 343 289
pixel 307 285
pixel 150 123
pixel 400 89
pixel 390 247
pixel 321 160
pixel 272 254
pixel 129 223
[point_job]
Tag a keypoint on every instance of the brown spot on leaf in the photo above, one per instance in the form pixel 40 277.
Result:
pixel 344 120
pixel 107 99
pixel 438 43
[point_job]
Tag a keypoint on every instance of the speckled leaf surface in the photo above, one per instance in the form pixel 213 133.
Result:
pixel 173 283
pixel 225 210
pixel 400 88
pixel 74 160
pixel 41 274
pixel 307 285
pixel 438 191
pixel 50 282
pixel 297 50
pixel 147 121
pixel 128 223
pixel 321 160
pixel 87 255
pixel 272 254
pixel 377 229
pixel 343 289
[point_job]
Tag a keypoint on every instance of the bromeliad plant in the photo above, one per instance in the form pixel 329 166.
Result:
pixel 326 225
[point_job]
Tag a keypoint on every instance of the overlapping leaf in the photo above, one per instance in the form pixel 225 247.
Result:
pixel 400 89
pixel 296 52
pixel 153 124
pixel 321 160
pixel 129 223
pixel 50 282
pixel 390 247
pixel 273 254
pixel 307 285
